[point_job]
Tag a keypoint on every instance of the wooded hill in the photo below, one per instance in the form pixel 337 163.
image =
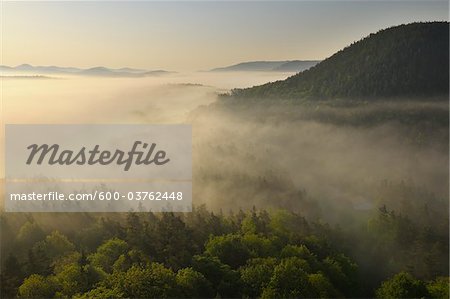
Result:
pixel 403 61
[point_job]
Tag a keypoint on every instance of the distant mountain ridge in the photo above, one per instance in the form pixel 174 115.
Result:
pixel 269 66
pixel 94 71
pixel 401 61
pixel 296 66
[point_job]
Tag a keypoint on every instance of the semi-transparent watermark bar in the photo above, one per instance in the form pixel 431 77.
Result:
pixel 98 168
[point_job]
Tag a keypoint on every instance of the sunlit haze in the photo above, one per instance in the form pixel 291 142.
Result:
pixel 194 35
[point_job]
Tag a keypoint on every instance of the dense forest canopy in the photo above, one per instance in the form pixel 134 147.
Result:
pixel 276 254
pixel 407 60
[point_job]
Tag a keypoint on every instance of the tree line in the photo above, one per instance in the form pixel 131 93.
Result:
pixel 203 254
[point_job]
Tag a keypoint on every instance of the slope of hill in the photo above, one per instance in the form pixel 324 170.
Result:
pixel 269 66
pixel 296 66
pixel 401 61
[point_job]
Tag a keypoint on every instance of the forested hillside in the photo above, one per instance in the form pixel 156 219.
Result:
pixel 403 61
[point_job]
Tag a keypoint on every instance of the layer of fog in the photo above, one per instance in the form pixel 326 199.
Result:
pixel 246 162
pixel 240 161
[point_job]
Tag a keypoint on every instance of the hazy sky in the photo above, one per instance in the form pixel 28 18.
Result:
pixel 194 35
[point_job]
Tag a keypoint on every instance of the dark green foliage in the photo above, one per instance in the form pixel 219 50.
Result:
pixel 289 280
pixel 439 288
pixel 193 284
pixel 403 61
pixel 342 274
pixel 37 286
pixel 224 280
pixel 402 285
pixel 11 276
pixel 254 254
pixel 173 241
pixel 256 275
pixel 153 281
pixel 76 279
pixel 229 249
pixel 108 253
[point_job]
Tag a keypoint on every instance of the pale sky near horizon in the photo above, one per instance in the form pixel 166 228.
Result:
pixel 194 35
